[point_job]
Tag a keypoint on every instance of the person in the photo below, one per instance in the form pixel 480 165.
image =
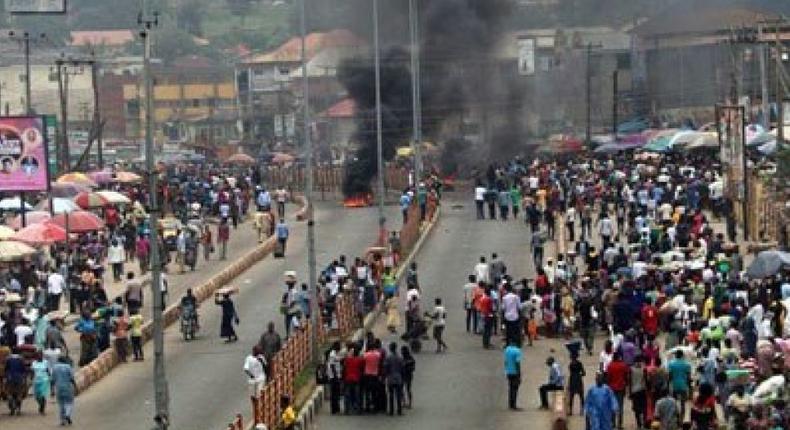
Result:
pixel 56 283
pixel 133 294
pixel 480 193
pixel 439 317
pixel 86 327
pixel 637 387
pixel 513 372
pixel 353 365
pixel 270 342
pixel 334 373
pixel 393 375
pixel 288 416
pixel 470 288
pixel 181 250
pixel 116 255
pixel 16 375
pixel 556 382
pixel 120 335
pixel 617 374
pixel 223 235
pixel 189 306
pixel 255 369
pixel 207 242
pixel 667 412
pixel 511 313
pixel 65 388
pixel 370 377
pixel 600 406
pixel 136 334
pixel 680 376
pixel 703 410
pixel 282 232
pixel 409 366
pixel 405 202
pixel 142 248
pixel 229 316
pixel 576 374
pixel 282 196
pixel 41 381
pixel 486 311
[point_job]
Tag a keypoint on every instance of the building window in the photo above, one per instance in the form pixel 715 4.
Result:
pixel 195 102
pixel 133 108
pixel 624 61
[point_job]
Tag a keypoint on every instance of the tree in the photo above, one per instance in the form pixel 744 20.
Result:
pixel 240 8
pixel 189 16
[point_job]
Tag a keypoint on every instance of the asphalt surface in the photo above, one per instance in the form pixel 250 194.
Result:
pixel 207 385
pixel 464 388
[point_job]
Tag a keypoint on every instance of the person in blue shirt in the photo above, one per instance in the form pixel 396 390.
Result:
pixel 264 201
pixel 282 232
pixel 556 382
pixel 405 202
pixel 422 199
pixel 680 379
pixel 513 372
pixel 65 388
pixel 86 327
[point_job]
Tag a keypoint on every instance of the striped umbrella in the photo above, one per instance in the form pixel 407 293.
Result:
pixel 32 217
pixel 90 200
pixel 15 251
pixel 79 222
pixel 45 233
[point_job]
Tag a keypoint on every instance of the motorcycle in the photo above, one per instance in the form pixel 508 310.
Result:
pixel 189 322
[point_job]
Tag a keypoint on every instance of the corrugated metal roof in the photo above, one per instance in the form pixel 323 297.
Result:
pixel 291 51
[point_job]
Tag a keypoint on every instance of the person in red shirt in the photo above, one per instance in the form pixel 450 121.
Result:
pixel 650 319
pixel 370 378
pixel 486 309
pixel 617 375
pixel 353 365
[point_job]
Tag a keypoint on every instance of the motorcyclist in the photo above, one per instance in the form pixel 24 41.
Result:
pixel 189 307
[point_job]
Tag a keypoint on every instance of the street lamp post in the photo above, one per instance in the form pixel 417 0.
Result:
pixel 25 38
pixel 308 183
pixel 379 137
pixel 414 26
pixel 160 378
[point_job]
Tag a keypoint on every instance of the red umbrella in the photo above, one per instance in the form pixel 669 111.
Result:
pixel 90 200
pixel 32 217
pixel 79 222
pixel 45 233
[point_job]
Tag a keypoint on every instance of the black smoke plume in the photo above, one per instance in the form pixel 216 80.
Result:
pixel 460 80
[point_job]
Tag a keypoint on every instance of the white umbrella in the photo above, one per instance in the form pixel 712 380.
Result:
pixel 114 197
pixel 59 205
pixel 13 204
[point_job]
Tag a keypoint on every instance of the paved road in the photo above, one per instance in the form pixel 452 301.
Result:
pixel 466 388
pixel 206 382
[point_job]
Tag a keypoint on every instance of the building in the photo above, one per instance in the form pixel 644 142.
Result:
pixel 44 89
pixel 104 41
pixel 269 85
pixel 691 55
pixel 336 129
pixel 194 104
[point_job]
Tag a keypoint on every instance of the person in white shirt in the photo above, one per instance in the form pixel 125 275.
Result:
pixel 281 195
pixel 254 367
pixel 22 331
pixel 55 286
pixel 511 307
pixel 116 255
pixel 481 271
pixel 480 194
pixel 439 317
pixel 471 312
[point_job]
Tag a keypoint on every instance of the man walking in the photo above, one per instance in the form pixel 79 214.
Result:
pixel 480 193
pixel 486 309
pixel 617 374
pixel 513 373
pixel 55 286
pixel 282 235
pixel 600 406
pixel 439 317
pixel 511 306
pixel 393 374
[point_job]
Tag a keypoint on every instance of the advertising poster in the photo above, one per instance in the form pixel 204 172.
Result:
pixel 23 154
pixel 51 127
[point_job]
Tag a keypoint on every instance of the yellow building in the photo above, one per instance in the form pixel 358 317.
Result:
pixel 196 108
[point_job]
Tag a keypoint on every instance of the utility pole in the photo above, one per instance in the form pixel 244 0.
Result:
pixel 614 103
pixel 780 117
pixel 97 113
pixel 763 79
pixel 148 22
pixel 25 38
pixel 379 137
pixel 416 90
pixel 2 87
pixel 588 92
pixel 308 183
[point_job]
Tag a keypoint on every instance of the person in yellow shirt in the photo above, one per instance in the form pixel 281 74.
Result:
pixel 707 308
pixel 136 334
pixel 288 416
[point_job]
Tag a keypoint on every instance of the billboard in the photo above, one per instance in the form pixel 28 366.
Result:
pixel 51 132
pixel 35 6
pixel 23 154
pixel 526 56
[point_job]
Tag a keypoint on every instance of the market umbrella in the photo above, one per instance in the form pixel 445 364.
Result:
pixel 59 205
pixel 659 144
pixel 32 217
pixel 45 233
pixel 14 251
pixel 114 197
pixel 240 158
pixel 704 140
pixel 768 263
pixel 101 176
pixel 6 232
pixel 128 177
pixel 90 200
pixel 77 178
pixel 13 204
pixel 282 158
pixel 760 138
pixel 66 189
pixel 79 222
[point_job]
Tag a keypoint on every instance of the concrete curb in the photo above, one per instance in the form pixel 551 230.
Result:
pixel 107 360
pixel 309 411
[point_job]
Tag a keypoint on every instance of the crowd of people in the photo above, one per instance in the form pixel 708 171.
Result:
pixel 647 261
pixel 73 278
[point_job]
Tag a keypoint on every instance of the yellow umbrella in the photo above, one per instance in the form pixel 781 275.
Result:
pixel 5 232
pixel 128 177
pixel 14 251
pixel 77 178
